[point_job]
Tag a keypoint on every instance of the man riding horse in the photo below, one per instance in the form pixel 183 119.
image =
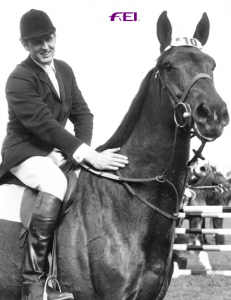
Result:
pixel 42 94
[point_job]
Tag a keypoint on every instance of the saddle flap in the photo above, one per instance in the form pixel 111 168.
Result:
pixel 30 195
pixel 27 205
pixel 72 179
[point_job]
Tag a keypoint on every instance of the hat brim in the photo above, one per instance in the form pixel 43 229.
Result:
pixel 37 35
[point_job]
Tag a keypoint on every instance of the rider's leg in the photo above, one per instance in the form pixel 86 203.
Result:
pixel 41 173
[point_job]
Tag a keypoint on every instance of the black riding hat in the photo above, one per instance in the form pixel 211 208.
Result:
pixel 34 24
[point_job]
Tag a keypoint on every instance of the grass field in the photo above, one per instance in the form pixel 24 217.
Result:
pixel 206 287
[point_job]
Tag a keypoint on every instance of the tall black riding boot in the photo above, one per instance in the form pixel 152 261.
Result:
pixel 40 238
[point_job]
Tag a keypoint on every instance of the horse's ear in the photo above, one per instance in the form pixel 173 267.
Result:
pixel 164 31
pixel 202 31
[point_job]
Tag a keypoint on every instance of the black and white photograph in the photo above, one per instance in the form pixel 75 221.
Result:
pixel 115 137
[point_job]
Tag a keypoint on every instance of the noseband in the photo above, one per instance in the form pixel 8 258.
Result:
pixel 182 111
pixel 177 105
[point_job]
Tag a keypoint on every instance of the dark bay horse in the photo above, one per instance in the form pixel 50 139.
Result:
pixel 211 189
pixel 111 245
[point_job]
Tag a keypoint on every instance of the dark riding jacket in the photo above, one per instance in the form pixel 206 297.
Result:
pixel 37 115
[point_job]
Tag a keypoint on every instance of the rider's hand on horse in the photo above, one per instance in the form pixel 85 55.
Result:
pixel 106 160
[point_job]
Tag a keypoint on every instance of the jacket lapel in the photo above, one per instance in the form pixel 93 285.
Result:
pixel 43 76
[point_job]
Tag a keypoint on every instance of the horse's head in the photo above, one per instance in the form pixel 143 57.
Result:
pixel 187 74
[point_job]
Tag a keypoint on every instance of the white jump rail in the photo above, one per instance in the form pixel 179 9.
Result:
pixel 186 247
pixel 206 209
pixel 203 231
pixel 204 215
pixel 204 212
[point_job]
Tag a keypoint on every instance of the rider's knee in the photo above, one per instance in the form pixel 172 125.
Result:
pixel 55 184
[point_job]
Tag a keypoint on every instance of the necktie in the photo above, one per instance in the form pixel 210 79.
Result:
pixel 51 74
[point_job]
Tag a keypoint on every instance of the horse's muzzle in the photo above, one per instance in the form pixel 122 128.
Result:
pixel 209 121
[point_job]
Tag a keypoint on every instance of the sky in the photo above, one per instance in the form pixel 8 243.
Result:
pixel 110 59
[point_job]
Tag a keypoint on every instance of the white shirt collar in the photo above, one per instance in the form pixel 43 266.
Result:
pixel 44 67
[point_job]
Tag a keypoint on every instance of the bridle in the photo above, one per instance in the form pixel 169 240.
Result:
pixel 178 105
pixel 180 122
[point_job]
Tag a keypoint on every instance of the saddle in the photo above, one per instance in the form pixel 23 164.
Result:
pixel 30 195
pixel 29 200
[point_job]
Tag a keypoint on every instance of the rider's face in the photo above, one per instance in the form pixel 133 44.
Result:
pixel 41 49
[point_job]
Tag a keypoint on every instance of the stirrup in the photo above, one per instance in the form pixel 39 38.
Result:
pixel 53 279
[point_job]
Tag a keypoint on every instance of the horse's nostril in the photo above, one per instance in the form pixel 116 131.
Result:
pixel 203 111
pixel 225 116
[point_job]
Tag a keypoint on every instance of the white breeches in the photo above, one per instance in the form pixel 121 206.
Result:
pixel 42 173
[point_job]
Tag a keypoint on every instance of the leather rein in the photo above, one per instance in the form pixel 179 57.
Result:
pixel 160 178
pixel 176 103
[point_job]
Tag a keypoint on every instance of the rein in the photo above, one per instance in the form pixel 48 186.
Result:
pixel 124 180
pixel 176 103
pixel 162 178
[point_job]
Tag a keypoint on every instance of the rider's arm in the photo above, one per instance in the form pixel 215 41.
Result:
pixel 31 109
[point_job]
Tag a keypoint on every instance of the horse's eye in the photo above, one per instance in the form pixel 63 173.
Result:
pixel 168 67
pixel 213 67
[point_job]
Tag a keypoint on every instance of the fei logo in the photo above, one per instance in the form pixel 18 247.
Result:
pixel 124 16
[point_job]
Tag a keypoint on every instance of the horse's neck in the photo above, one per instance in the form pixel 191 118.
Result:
pixel 151 143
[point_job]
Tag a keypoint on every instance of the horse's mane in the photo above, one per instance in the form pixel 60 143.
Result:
pixel 126 127
pixel 131 118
